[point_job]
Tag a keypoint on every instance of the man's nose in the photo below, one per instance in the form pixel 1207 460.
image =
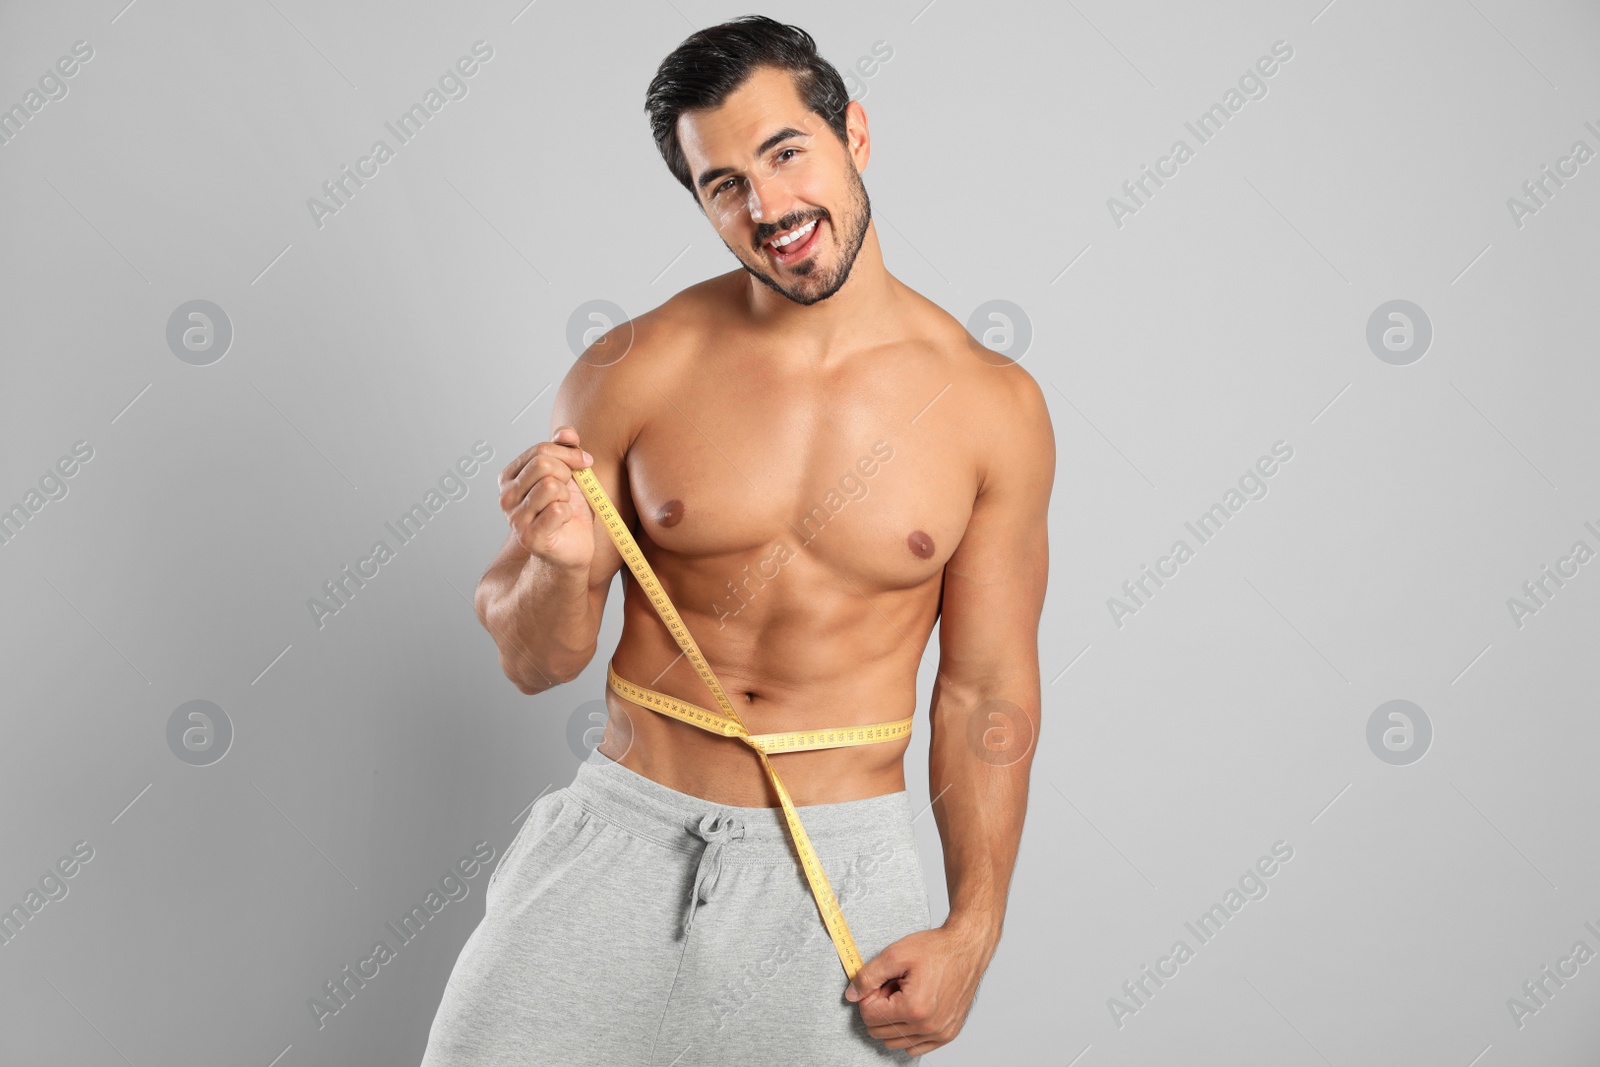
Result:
pixel 767 201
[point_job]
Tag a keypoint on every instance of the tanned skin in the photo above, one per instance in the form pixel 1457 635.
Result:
pixel 734 428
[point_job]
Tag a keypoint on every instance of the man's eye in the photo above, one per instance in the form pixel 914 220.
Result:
pixel 781 157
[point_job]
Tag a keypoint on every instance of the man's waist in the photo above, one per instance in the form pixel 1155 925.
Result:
pixel 862 821
pixel 719 721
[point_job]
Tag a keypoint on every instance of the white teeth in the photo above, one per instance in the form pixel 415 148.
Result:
pixel 797 235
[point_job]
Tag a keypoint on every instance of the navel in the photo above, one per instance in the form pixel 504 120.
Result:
pixel 920 543
pixel 670 513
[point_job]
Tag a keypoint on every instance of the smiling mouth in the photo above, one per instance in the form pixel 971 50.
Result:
pixel 793 244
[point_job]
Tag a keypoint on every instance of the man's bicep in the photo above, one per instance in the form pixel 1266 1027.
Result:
pixel 995 581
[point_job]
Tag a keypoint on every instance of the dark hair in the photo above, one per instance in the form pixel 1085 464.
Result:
pixel 711 63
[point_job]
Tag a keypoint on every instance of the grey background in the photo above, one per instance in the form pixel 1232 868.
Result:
pixel 1229 313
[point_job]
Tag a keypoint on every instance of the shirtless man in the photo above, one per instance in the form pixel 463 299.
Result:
pixel 817 463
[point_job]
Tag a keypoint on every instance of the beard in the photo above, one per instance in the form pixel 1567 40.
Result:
pixel 812 282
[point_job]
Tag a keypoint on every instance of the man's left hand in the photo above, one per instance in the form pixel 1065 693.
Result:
pixel 916 993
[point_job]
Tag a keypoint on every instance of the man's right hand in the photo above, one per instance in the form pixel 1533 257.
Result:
pixel 547 511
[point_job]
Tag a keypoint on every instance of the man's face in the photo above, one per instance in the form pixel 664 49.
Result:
pixel 764 167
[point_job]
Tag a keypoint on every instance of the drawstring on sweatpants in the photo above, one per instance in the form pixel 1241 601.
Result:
pixel 716 829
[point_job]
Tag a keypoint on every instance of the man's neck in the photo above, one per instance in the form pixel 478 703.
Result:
pixel 855 313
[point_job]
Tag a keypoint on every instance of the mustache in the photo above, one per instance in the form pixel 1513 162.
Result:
pixel 767 233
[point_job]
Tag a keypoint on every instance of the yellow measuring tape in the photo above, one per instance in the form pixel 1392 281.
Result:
pixel 727 722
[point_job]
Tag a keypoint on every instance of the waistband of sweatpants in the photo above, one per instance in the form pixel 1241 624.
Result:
pixel 629 799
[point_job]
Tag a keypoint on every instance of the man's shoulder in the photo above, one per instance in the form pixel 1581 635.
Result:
pixel 1001 406
pixel 612 350
pixel 670 330
pixel 609 385
pixel 985 377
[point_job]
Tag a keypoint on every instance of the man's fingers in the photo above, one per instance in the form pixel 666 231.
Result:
pixel 527 497
pixel 898 1025
pixel 897 1032
pixel 888 1009
pixel 552 465
pixel 883 967
pixel 567 451
pixel 567 435
pixel 905 1005
pixel 543 523
pixel 901 1035
pixel 890 985
pixel 544 499
pixel 895 1014
pixel 920 1046
pixel 544 453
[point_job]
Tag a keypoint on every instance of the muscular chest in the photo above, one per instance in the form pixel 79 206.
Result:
pixel 828 467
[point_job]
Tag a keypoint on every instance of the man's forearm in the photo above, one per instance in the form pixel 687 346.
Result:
pixel 540 616
pixel 981 796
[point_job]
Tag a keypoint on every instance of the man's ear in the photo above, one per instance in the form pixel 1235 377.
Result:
pixel 858 141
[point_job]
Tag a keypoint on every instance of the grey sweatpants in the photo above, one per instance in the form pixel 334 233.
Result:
pixel 632 925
